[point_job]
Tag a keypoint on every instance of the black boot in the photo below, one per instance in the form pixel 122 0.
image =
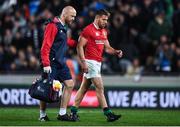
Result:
pixel 112 117
pixel 65 117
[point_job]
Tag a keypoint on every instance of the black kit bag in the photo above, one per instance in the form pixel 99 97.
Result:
pixel 42 89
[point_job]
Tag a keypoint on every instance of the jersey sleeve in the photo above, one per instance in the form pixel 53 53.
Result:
pixel 85 33
pixel 49 36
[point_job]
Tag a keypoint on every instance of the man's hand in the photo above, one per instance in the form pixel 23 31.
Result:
pixel 119 53
pixel 84 67
pixel 47 69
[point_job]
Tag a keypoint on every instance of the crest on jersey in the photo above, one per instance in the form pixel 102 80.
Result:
pixel 104 33
pixel 97 33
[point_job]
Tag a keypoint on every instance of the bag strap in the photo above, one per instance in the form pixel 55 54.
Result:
pixel 46 76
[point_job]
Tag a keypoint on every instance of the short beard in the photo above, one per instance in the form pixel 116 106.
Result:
pixel 102 27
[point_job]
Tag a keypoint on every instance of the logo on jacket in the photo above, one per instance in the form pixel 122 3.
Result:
pixel 40 89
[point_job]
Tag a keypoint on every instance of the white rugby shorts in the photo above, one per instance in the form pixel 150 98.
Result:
pixel 94 69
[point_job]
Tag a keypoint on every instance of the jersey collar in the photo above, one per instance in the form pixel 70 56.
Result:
pixel 96 26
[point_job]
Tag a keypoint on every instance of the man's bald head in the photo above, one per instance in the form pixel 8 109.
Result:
pixel 68 9
pixel 68 14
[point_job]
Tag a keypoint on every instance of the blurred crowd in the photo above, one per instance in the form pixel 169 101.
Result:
pixel 147 31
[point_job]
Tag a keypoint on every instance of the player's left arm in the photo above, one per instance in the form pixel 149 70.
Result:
pixel 111 50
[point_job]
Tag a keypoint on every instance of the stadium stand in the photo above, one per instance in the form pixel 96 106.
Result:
pixel 147 31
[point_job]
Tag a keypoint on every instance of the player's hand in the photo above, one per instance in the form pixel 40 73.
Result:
pixel 47 69
pixel 119 53
pixel 84 67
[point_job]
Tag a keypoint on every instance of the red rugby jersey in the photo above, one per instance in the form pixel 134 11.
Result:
pixel 95 42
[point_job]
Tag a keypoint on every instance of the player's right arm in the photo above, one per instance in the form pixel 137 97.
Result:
pixel 80 51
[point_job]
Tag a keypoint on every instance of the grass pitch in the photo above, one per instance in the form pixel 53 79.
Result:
pixel 90 117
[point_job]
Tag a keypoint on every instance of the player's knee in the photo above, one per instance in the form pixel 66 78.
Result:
pixel 100 89
pixel 70 85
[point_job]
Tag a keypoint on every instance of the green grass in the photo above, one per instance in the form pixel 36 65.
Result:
pixel 90 117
